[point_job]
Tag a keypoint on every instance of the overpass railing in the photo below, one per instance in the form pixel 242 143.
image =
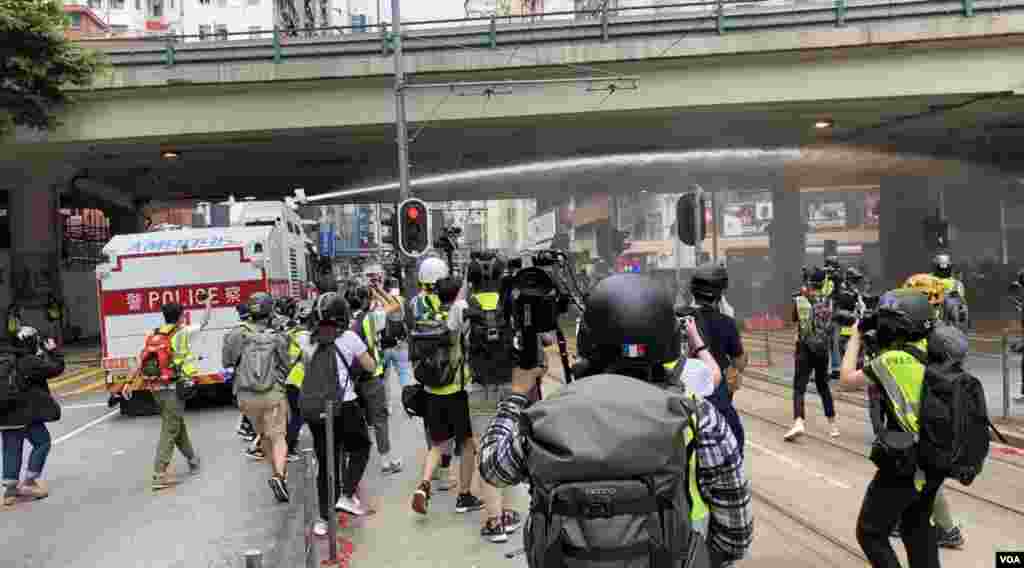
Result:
pixel 693 18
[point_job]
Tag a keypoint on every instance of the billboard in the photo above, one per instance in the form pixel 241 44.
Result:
pixel 541 228
pixel 748 215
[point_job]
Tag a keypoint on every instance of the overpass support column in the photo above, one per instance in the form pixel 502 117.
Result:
pixel 905 203
pixel 35 247
pixel 788 249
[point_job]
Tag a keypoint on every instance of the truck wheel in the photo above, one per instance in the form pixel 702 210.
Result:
pixel 141 404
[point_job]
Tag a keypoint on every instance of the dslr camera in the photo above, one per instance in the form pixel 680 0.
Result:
pixel 447 241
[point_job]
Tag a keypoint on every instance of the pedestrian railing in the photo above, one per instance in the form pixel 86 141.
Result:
pixel 684 19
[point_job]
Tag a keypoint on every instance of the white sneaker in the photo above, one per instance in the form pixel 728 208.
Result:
pixel 350 505
pixel 795 432
pixel 834 432
pixel 320 528
pixel 393 466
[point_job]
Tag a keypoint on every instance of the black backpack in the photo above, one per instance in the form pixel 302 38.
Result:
pixel 320 382
pixel 953 421
pixel 612 492
pixel 490 343
pixel 430 347
pixel 12 384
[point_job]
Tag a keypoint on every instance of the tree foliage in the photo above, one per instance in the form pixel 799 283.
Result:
pixel 37 63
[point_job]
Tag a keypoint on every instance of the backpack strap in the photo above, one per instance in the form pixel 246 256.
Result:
pixel 916 351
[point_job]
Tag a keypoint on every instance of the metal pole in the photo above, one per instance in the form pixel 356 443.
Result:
pixel 714 223
pixel 768 346
pixel 1004 343
pixel 310 505
pixel 698 221
pixel 253 559
pixel 332 517
pixel 1003 248
pixel 400 119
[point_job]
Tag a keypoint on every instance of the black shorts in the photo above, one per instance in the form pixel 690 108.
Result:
pixel 447 417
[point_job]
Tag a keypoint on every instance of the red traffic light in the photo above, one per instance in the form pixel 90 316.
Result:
pixel 413 213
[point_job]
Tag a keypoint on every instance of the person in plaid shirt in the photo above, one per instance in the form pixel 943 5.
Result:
pixel 721 477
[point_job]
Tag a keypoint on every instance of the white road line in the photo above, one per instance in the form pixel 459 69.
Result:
pixel 77 406
pixel 88 425
pixel 799 466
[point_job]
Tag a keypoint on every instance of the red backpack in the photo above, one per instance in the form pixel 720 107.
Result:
pixel 157 359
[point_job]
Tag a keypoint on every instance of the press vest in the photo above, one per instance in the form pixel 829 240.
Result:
pixel 698 508
pixel 182 357
pixel 298 369
pixel 370 335
pixel 901 377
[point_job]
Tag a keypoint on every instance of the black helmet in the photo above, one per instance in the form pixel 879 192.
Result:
pixel 286 306
pixel 905 313
pixel 261 305
pixel 486 269
pixel 854 275
pixel 332 308
pixel 630 322
pixel 832 261
pixel 358 298
pixel 708 282
pixel 943 265
pixel 817 277
pixel 947 343
pixel 391 283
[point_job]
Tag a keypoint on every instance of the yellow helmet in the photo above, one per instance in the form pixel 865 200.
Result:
pixel 929 285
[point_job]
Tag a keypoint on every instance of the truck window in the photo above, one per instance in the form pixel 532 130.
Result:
pixel 257 247
pixel 260 223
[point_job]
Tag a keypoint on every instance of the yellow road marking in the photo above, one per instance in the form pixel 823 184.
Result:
pixel 87 388
pixel 74 377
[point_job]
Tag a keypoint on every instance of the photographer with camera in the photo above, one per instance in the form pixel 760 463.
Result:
pixel 707 286
pixel 898 495
pixel 812 311
pixel 624 395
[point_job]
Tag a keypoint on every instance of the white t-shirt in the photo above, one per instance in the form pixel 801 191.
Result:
pixel 698 378
pixel 351 348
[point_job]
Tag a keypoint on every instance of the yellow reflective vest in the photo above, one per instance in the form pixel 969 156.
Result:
pixel 699 509
pixel 183 358
pixel 298 368
pixel 901 377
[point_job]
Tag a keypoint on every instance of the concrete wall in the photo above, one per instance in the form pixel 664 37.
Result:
pixel 80 301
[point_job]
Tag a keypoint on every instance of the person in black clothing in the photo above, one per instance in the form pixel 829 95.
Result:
pixel 25 417
pixel 723 338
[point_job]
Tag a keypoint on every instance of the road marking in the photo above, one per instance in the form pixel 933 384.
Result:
pixel 75 377
pixel 120 453
pixel 85 427
pixel 87 388
pixel 799 466
pixel 77 406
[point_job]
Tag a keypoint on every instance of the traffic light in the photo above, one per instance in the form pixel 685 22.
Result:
pixel 413 225
pixel 685 207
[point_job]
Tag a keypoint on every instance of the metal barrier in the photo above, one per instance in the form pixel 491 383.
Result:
pixel 1013 382
pixel 309 506
pixel 758 348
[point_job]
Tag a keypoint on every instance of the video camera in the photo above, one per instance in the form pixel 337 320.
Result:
pixel 539 295
pixel 447 241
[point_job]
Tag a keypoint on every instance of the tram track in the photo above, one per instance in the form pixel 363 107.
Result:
pixel 821 440
pixel 761 497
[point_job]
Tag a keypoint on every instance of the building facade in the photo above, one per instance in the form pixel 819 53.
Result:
pixel 138 17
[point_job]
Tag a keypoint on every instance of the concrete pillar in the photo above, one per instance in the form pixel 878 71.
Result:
pixel 788 249
pixel 905 203
pixel 35 247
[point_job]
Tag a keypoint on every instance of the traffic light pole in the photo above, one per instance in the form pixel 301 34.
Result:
pixel 408 264
pixel 698 218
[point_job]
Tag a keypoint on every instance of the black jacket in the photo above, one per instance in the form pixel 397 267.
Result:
pixel 36 370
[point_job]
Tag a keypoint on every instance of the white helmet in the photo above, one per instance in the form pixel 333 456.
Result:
pixel 432 269
pixel 373 268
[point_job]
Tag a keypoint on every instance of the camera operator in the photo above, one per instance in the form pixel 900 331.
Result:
pixel 895 497
pixel 723 339
pixel 631 334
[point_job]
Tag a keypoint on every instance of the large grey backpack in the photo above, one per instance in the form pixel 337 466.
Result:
pixel 608 468
pixel 259 366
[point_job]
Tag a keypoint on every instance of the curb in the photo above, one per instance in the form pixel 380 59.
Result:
pixel 1014 438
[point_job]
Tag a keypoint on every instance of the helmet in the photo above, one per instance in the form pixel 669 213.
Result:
pixel 332 308
pixel 831 261
pixel 817 277
pixel 391 283
pixel 28 338
pixel 261 305
pixel 243 312
pixel 708 282
pixel 905 313
pixel 304 310
pixel 486 269
pixel 431 270
pixel 854 275
pixel 943 265
pixel 358 298
pixel 630 318
pixel 928 285
pixel 285 306
pixel 947 343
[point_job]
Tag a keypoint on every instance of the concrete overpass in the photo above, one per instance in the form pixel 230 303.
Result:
pixel 915 90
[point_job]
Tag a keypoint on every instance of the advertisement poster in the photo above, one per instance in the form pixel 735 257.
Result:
pixel 747 216
pixel 872 208
pixel 823 214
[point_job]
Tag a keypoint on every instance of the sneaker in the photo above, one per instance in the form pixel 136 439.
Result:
pixel 293 457
pixel 895 532
pixel 163 481
pixel 421 498
pixel 394 466
pixel 280 489
pixel 193 466
pixel 34 488
pixel 511 520
pixel 952 538
pixel 795 432
pixel 834 431
pixel 494 530
pixel 467 502
pixel 10 495
pixel 320 528
pixel 350 505
pixel 254 454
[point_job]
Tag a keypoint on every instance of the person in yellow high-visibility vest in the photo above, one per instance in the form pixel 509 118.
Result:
pixel 298 343
pixel 55 317
pixel 896 499
pixel 632 333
